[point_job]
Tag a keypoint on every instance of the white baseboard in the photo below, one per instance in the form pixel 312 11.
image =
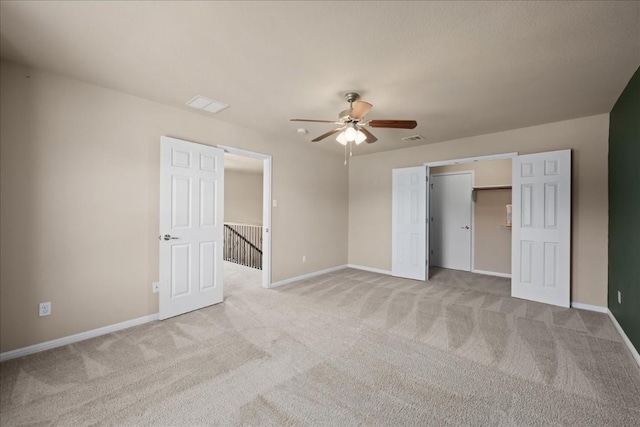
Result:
pixel 589 307
pixel 306 276
pixel 625 338
pixel 371 269
pixel 48 345
pixel 492 273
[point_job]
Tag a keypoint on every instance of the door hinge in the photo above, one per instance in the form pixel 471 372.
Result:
pixel 427 178
pixel 432 252
pixel 432 186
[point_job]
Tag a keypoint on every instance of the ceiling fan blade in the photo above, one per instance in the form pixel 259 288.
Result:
pixel 324 135
pixel 370 138
pixel 359 110
pixel 395 124
pixel 311 120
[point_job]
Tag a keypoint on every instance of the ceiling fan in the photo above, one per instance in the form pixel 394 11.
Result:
pixel 352 125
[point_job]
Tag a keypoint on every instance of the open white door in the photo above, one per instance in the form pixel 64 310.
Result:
pixel 541 232
pixel 191 226
pixel 409 223
pixel 451 220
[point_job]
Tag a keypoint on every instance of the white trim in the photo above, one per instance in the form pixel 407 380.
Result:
pixel 472 159
pixel 48 345
pixel 589 307
pixel 491 273
pixel 266 222
pixel 266 207
pixel 472 240
pixel 625 338
pixel 307 276
pixel 427 229
pixel 245 153
pixel 370 269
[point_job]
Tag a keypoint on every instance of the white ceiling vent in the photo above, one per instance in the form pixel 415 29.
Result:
pixel 413 138
pixel 206 104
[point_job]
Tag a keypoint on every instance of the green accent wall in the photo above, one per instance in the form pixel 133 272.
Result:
pixel 624 209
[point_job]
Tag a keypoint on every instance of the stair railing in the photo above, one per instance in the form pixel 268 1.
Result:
pixel 243 244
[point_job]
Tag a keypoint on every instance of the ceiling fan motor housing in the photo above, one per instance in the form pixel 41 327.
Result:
pixel 351 96
pixel 343 116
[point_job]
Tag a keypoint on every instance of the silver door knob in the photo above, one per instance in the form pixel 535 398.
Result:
pixel 466 227
pixel 168 237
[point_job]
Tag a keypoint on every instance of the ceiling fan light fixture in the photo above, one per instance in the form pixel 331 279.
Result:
pixel 343 137
pixel 350 134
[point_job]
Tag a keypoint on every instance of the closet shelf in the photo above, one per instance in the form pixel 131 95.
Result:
pixel 492 187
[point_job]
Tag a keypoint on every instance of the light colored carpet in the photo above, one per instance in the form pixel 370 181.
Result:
pixel 348 348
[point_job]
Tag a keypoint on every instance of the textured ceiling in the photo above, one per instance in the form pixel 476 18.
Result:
pixel 458 68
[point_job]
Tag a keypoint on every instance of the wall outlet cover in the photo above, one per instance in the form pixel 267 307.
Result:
pixel 44 309
pixel 155 287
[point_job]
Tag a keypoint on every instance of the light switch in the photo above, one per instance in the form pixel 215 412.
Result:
pixel 275 203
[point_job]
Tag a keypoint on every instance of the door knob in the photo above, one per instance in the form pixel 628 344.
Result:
pixel 168 237
pixel 466 227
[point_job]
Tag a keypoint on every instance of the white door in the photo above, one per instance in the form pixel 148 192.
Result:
pixel 191 226
pixel 451 220
pixel 409 217
pixel 541 227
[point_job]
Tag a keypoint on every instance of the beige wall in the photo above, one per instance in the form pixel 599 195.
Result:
pixel 243 197
pixel 79 175
pixel 491 244
pixel 491 241
pixel 370 193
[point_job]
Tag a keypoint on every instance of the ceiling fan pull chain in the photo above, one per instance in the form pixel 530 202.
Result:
pixel 345 154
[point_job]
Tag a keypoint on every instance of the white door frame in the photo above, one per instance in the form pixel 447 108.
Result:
pixel 473 213
pixel 472 159
pixel 266 207
pixel 430 165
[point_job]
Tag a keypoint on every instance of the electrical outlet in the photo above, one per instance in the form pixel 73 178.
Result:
pixel 45 309
pixel 155 287
pixel 619 297
pixel 304 258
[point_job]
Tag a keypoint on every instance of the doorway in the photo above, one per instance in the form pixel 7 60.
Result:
pixel 243 204
pixel 247 216
pixel 487 196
